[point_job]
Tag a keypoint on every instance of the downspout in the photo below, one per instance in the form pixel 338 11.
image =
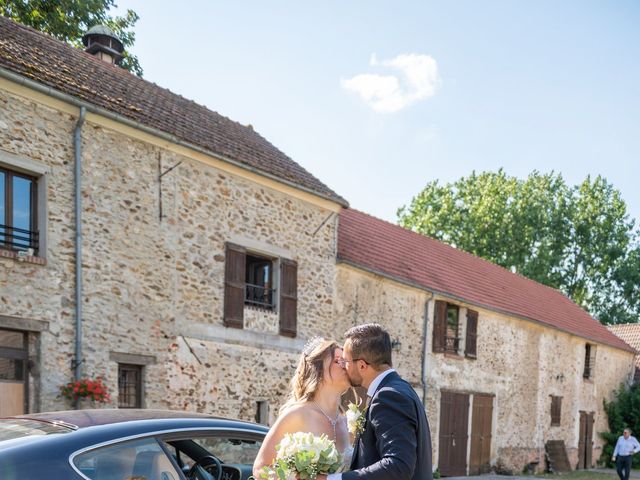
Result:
pixel 424 348
pixel 77 145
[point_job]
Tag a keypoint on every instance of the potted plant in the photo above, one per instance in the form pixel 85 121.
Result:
pixel 86 389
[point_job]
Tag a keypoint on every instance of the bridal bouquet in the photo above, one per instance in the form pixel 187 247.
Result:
pixel 303 456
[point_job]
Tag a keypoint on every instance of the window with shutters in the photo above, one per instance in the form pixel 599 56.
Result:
pixel 258 281
pixel 556 410
pixel 589 361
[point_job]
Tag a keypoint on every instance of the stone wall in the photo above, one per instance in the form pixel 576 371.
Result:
pixel 155 286
pixel 521 363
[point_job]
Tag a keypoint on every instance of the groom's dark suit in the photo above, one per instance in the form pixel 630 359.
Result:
pixel 395 443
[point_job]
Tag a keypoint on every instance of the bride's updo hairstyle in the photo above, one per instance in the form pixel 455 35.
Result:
pixel 317 356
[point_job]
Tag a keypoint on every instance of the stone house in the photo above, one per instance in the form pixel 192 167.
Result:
pixel 186 260
pixel 505 365
pixel 204 249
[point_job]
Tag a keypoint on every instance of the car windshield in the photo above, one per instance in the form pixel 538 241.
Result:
pixel 16 428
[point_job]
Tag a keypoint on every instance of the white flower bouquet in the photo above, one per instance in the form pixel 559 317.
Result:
pixel 303 456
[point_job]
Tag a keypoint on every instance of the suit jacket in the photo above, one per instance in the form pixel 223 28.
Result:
pixel 396 442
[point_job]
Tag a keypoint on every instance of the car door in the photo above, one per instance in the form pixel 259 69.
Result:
pixel 140 459
pixel 230 452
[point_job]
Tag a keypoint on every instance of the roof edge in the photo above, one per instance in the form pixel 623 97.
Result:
pixel 41 88
pixel 478 304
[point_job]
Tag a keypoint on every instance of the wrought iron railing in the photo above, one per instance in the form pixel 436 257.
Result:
pixel 451 344
pixel 258 295
pixel 18 238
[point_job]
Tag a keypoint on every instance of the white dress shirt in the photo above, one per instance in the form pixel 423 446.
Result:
pixel 373 386
pixel 626 446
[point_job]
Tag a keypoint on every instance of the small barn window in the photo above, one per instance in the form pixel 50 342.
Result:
pixel 129 386
pixel 262 412
pixel 556 410
pixel 589 361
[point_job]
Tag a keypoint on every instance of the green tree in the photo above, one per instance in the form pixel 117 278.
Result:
pixel 68 20
pixel 578 239
pixel 622 412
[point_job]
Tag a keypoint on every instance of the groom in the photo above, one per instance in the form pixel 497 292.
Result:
pixel 395 443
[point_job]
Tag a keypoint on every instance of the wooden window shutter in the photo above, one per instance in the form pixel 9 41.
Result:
pixel 234 284
pixel 470 344
pixel 439 326
pixel 592 361
pixel 288 297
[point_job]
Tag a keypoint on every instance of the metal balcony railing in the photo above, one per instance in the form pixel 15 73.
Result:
pixel 18 238
pixel 258 295
pixel 451 344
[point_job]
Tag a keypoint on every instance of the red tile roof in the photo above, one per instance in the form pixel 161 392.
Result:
pixel 52 63
pixel 393 251
pixel 630 333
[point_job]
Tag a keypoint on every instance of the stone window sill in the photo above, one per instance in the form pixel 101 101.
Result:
pixel 453 356
pixel 32 259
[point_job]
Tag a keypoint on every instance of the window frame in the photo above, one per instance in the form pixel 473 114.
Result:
pixel 590 352
pixel 139 397
pixel 556 410
pixel 7 226
pixel 27 167
pixel 455 347
pixel 272 281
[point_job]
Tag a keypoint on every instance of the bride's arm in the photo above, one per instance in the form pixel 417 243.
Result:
pixel 290 421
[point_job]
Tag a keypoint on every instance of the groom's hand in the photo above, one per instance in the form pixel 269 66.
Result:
pixel 321 476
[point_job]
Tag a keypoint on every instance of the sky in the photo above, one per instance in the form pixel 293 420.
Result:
pixel 378 98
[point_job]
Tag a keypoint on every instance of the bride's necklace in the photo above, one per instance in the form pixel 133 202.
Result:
pixel 332 421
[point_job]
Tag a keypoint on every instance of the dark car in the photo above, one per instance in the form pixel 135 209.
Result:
pixel 127 445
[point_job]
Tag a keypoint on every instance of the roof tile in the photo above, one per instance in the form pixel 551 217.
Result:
pixel 50 62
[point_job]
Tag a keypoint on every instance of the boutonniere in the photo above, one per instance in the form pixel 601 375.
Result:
pixel 355 419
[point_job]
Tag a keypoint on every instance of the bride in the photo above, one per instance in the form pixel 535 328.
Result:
pixel 313 404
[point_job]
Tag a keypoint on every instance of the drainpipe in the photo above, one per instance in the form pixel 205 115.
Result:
pixel 77 144
pixel 424 349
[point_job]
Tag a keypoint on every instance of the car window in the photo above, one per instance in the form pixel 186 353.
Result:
pixel 235 453
pixel 134 460
pixel 14 429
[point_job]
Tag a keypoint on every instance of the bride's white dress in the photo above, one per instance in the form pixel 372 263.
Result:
pixel 346 458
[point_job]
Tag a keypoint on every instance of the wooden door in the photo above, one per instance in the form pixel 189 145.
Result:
pixel 13 373
pixel 585 440
pixel 581 435
pixel 454 418
pixel 588 440
pixel 481 418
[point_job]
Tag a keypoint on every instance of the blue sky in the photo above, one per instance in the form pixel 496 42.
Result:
pixel 377 98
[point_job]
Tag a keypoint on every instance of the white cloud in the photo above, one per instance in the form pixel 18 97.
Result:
pixel 417 80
